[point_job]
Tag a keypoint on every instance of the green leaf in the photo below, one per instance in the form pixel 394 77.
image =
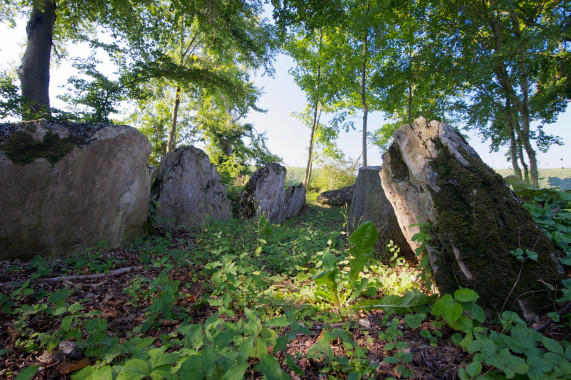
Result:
pixel 136 368
pixel 465 295
pixel 193 335
pixel 414 320
pixel 59 311
pixel 538 368
pixel 463 323
pixel 474 369
pixel 246 349
pixel 363 239
pixel 280 321
pixel 552 345
pixel 485 346
pixel 390 360
pixel 66 323
pixel 237 372
pixel 270 367
pixel 398 305
pixel 28 373
pixel 160 358
pixel 60 295
pixel 75 307
pixel 448 308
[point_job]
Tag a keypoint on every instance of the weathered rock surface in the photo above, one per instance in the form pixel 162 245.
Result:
pixel 265 194
pixel 294 201
pixel 369 203
pixel 65 187
pixel 189 190
pixel 431 173
pixel 340 197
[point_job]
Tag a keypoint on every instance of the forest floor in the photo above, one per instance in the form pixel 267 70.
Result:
pixel 239 295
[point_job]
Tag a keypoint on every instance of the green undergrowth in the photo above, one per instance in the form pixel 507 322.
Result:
pixel 237 296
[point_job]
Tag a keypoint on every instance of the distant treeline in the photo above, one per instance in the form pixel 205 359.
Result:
pixel 548 177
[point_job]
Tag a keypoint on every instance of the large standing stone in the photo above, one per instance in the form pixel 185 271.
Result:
pixel 432 174
pixel 265 194
pixel 339 197
pixel 65 187
pixel 369 203
pixel 189 190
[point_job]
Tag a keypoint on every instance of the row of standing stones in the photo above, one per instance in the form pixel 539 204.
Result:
pixel 65 187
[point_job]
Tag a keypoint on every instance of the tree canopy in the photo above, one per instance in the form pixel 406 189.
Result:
pixel 184 68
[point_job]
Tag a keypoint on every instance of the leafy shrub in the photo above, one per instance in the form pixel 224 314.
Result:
pixel 333 175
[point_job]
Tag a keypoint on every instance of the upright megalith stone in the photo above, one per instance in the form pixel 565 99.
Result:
pixel 431 174
pixel 189 190
pixel 68 186
pixel 369 203
pixel 265 194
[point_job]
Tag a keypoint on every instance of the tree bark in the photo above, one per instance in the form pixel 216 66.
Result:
pixel 172 132
pixel 364 97
pixel 513 153
pixel 34 72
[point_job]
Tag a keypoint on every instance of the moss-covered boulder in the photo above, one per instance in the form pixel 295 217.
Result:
pixel 66 187
pixel 430 174
pixel 189 190
pixel 369 203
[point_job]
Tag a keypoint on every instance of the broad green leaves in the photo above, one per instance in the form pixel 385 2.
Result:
pixel 363 241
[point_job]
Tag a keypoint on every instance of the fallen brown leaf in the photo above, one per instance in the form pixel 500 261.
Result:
pixel 66 368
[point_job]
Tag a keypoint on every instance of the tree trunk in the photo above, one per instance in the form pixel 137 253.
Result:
pixel 172 132
pixel 309 157
pixel 513 152
pixel 315 122
pixel 523 163
pixel 34 72
pixel 506 82
pixel 409 113
pixel 512 126
pixel 364 98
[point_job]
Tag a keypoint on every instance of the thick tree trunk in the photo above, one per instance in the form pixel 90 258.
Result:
pixel 34 72
pixel 172 132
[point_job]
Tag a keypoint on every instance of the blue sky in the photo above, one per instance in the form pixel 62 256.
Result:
pixel 287 137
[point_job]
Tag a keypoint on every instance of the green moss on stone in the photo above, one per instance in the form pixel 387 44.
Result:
pixel 22 149
pixel 478 215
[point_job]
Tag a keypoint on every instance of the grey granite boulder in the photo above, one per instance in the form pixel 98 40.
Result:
pixel 189 190
pixel 65 187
